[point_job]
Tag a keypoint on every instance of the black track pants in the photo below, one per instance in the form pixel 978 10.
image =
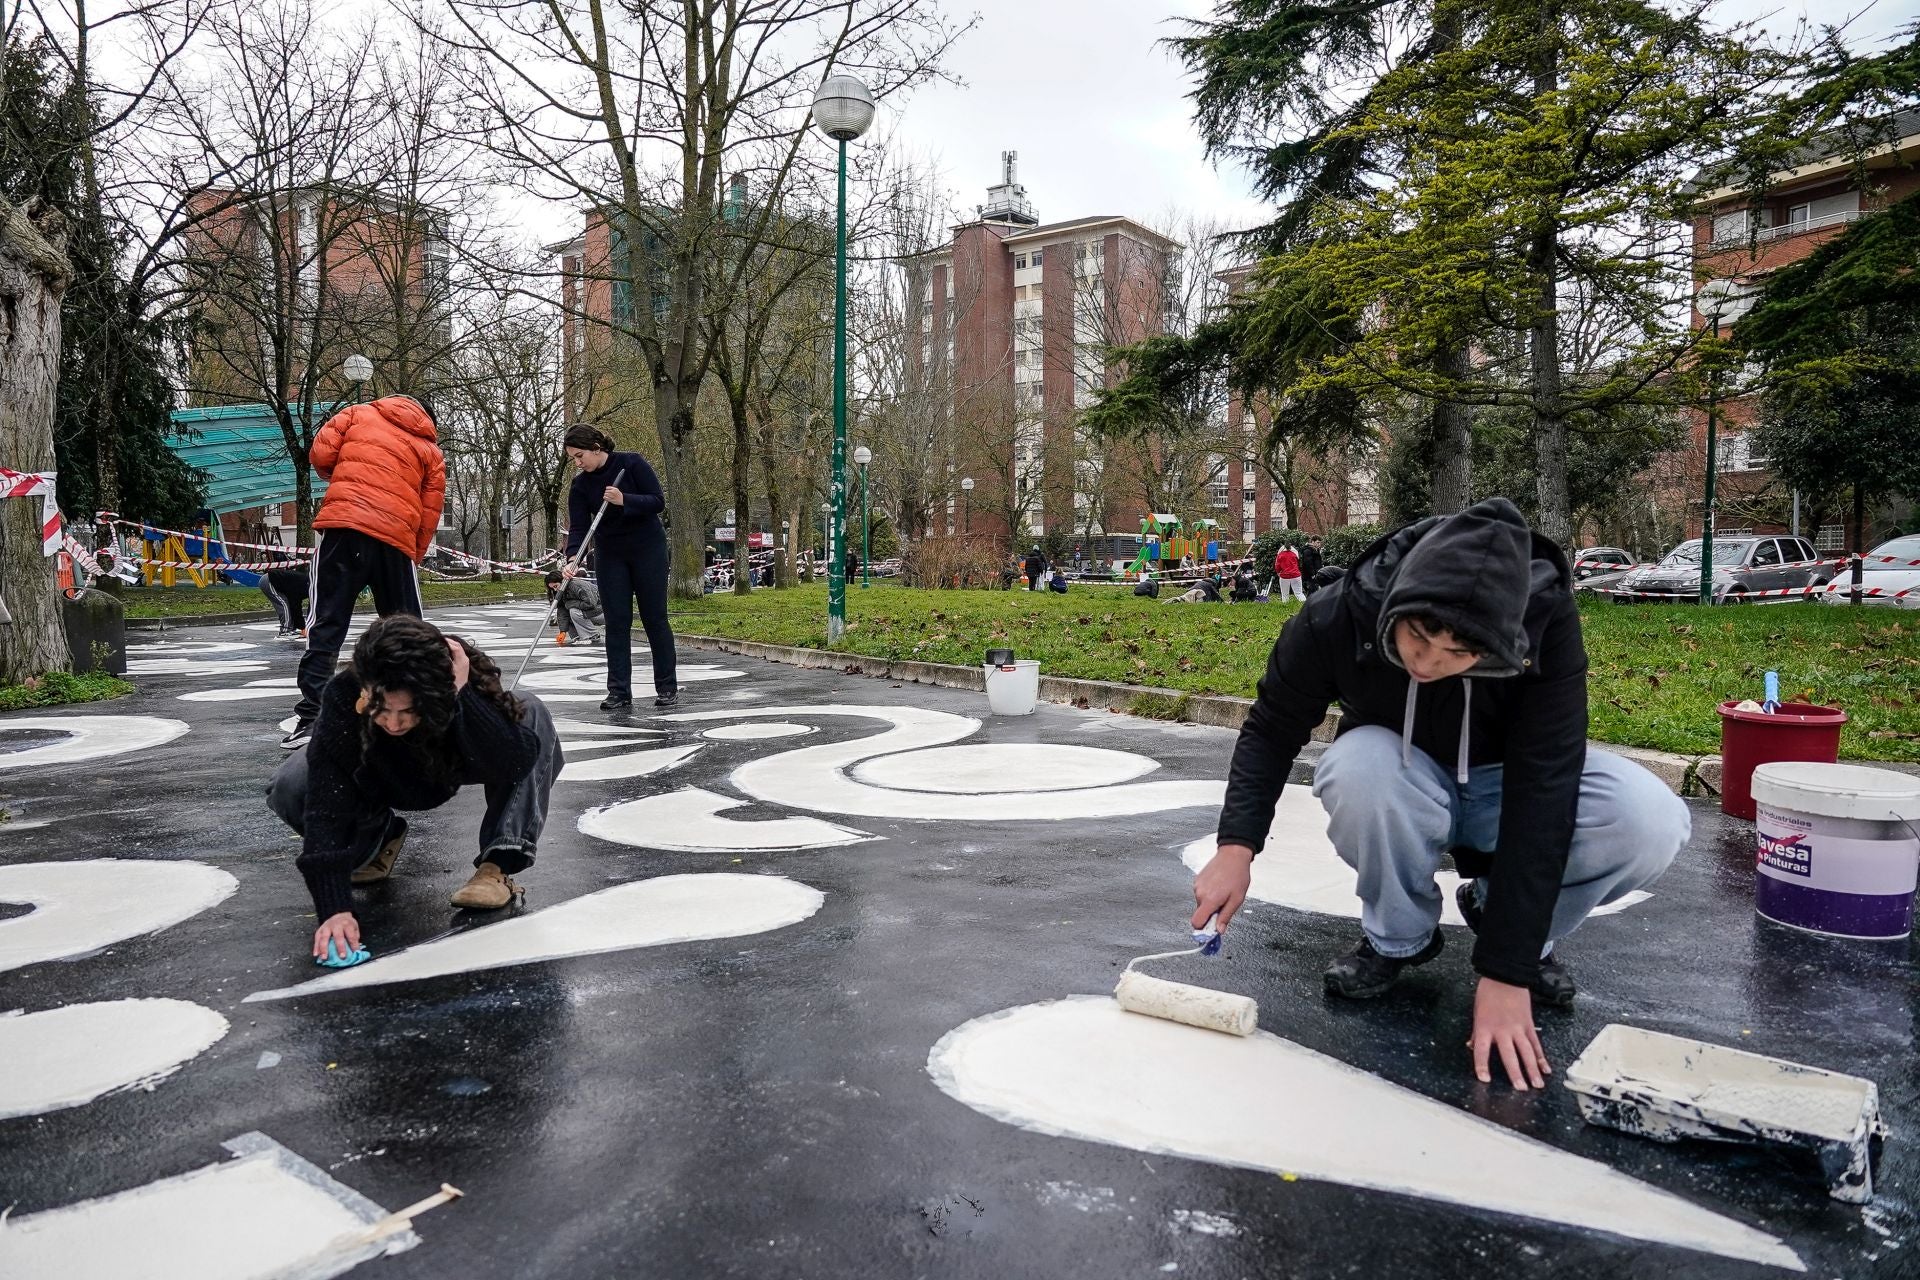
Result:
pixel 346 562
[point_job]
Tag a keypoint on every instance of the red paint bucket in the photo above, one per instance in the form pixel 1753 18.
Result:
pixel 1749 739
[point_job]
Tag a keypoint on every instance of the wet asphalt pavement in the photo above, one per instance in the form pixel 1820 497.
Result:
pixel 760 1106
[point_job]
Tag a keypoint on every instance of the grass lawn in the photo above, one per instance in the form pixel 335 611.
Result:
pixel 1658 671
pixel 191 602
pixel 57 689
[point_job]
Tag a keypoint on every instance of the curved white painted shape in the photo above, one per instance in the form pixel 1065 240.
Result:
pixel 631 764
pixel 579 679
pixel 68 1056
pixel 268 1215
pixel 1005 766
pixel 1299 867
pixel 252 689
pixel 689 821
pixel 288 725
pixel 602 744
pixel 192 647
pixel 92 737
pixel 80 907
pixel 566 726
pixel 1083 1068
pixel 642 913
pixel 813 778
pixel 756 732
pixel 590 658
pixel 191 667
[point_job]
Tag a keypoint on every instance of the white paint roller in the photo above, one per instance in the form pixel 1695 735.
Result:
pixel 1184 1003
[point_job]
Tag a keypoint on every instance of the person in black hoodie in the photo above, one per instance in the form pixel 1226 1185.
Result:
pixel 1453 648
pixel 630 551
pixel 416 716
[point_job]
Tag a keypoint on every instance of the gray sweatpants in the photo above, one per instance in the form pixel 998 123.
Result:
pixel 1394 825
pixel 509 832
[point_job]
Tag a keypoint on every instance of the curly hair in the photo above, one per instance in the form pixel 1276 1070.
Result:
pixel 408 653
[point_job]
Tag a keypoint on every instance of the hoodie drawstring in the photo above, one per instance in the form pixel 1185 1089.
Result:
pixel 1406 725
pixel 1406 730
pixel 1466 718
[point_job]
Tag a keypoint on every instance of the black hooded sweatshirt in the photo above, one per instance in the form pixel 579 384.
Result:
pixel 1507 590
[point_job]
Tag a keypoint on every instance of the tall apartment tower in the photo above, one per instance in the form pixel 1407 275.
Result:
pixel 1015 317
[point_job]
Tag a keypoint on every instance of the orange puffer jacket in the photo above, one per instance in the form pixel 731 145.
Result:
pixel 385 474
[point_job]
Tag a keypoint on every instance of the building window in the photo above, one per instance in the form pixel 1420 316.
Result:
pixel 1020 262
pixel 1036 257
pixel 1798 214
pixel 1832 537
pixel 1217 491
pixel 1247 496
pixel 1736 453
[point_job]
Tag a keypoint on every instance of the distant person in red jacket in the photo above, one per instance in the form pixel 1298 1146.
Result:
pixel 1286 574
pixel 385 481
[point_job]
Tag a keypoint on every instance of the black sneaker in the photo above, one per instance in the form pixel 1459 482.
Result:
pixel 667 700
pixel 1554 986
pixel 301 735
pixel 616 702
pixel 1364 973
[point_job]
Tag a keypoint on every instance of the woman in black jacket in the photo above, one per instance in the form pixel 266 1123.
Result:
pixel 416 716
pixel 630 552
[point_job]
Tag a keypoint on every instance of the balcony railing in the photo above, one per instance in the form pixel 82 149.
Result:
pixel 1785 229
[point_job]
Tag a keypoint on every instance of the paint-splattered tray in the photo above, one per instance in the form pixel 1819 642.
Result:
pixel 1668 1088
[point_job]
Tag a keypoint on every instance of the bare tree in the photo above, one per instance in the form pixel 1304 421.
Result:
pixel 641 114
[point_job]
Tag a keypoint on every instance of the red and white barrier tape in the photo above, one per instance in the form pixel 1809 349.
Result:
pixel 28 484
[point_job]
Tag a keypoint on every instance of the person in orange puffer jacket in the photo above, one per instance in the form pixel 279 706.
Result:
pixel 386 479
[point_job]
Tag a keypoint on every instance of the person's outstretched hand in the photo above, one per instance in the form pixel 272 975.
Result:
pixel 341 928
pixel 461 666
pixel 1222 885
pixel 1503 1021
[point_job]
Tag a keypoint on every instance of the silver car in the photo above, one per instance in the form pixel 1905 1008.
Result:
pixel 1743 567
pixel 1893 572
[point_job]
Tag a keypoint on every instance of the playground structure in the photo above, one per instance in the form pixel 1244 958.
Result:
pixel 1166 542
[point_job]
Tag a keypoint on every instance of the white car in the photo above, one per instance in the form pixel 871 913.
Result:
pixel 1896 571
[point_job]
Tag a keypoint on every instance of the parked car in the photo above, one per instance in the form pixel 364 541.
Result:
pixel 1742 566
pixel 1887 576
pixel 1589 562
pixel 1597 567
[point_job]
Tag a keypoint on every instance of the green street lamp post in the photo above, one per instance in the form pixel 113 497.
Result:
pixel 861 457
pixel 843 108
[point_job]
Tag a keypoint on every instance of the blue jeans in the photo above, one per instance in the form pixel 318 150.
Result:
pixel 1394 824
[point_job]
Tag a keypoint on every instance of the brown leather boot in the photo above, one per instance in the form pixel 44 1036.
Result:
pixel 488 890
pixel 381 864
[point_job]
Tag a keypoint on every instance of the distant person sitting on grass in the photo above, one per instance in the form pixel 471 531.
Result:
pixel 1245 589
pixel 416 716
pixel 1453 648
pixel 1146 586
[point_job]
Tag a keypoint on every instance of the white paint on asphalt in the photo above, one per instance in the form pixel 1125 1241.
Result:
pixel 643 913
pixel 69 1056
pixel 1083 1068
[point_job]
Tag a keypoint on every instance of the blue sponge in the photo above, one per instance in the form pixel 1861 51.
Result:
pixel 334 960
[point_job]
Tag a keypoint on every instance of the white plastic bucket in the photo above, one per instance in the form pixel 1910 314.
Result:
pixel 1836 854
pixel 1013 688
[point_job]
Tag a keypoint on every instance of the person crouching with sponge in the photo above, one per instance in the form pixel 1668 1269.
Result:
pixel 1453 648
pixel 415 717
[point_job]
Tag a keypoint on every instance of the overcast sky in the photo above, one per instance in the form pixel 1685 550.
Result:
pixel 1098 110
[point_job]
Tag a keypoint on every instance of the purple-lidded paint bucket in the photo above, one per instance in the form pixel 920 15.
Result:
pixel 1838 853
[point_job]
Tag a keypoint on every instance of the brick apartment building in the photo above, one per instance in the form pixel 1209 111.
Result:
pixel 1804 207
pixel 1014 319
pixel 354 274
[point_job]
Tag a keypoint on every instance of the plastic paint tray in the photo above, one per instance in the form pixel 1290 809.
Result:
pixel 1668 1088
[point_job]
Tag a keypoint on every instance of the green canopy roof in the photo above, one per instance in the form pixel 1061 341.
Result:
pixel 240 452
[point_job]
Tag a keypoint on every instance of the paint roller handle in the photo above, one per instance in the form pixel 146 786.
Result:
pixel 1221 886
